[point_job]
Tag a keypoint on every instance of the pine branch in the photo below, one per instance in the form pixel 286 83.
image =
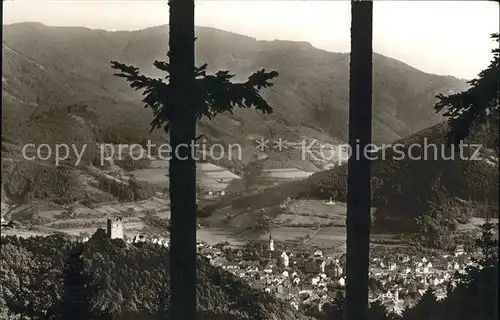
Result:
pixel 214 94
pixel 475 105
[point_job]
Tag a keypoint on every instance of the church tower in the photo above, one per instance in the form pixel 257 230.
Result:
pixel 271 242
pixel 114 228
pixel 285 260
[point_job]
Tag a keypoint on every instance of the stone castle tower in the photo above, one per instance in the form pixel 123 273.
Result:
pixel 114 228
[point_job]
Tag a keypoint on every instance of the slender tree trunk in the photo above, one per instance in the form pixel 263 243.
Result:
pixel 182 168
pixel 358 179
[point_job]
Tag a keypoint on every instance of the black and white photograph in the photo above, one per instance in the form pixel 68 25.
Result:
pixel 249 160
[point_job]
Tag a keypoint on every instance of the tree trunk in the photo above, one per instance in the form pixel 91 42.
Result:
pixel 182 168
pixel 358 179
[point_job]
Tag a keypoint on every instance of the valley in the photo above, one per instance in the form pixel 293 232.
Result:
pixel 287 174
pixel 310 222
pixel 345 161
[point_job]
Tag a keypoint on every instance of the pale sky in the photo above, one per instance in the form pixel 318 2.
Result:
pixel 442 37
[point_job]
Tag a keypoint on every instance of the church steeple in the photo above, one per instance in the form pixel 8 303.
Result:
pixel 271 242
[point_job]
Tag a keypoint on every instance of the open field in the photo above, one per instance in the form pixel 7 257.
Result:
pixel 109 209
pixel 50 213
pixel 284 234
pixel 212 177
pixel 155 176
pixel 329 238
pixel 318 208
pixel 209 176
pixel 311 222
pixel 98 222
pixel 324 236
pixel 213 236
pixel 140 206
pixel 286 174
pixel 159 164
pixel 312 212
pixel 291 220
pixel 291 213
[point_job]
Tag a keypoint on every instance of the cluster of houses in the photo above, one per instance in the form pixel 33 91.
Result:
pixel 216 193
pixel 297 277
pixel 400 281
pixel 314 278
pixel 165 242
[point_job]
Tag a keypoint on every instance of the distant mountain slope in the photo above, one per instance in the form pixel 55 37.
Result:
pixel 58 66
pixel 402 186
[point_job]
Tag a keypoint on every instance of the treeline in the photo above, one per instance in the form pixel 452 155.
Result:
pixel 135 190
pixel 129 164
pixel 27 181
pixel 404 193
pixel 156 223
pixel 77 224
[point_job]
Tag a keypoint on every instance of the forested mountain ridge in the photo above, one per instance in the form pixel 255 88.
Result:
pixel 59 66
pixel 407 182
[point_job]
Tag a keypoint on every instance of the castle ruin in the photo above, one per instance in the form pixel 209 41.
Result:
pixel 114 228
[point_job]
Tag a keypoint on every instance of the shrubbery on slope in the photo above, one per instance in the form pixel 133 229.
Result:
pixel 403 189
pixel 58 277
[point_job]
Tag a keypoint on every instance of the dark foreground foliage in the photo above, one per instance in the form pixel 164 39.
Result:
pixel 475 294
pixel 214 94
pixel 476 106
pixel 56 278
